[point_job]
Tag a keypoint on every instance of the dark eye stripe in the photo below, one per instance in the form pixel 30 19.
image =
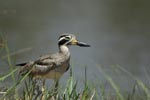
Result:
pixel 63 41
pixel 63 36
pixel 68 37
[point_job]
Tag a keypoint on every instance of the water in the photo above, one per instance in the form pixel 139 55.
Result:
pixel 118 32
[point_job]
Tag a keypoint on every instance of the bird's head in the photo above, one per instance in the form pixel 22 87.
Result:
pixel 70 39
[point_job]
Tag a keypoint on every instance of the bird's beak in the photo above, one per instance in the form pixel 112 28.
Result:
pixel 82 44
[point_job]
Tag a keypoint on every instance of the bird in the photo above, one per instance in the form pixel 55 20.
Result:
pixel 52 66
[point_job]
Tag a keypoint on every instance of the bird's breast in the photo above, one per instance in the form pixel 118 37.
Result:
pixel 55 73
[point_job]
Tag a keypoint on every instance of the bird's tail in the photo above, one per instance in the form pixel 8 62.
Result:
pixel 25 67
pixel 21 64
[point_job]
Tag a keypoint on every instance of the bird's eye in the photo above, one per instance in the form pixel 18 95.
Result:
pixel 67 37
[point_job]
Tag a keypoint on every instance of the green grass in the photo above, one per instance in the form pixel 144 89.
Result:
pixel 32 91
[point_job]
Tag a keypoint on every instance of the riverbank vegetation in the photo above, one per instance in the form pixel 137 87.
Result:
pixel 32 91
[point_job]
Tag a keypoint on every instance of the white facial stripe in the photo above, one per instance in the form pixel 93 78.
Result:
pixel 61 39
pixel 68 36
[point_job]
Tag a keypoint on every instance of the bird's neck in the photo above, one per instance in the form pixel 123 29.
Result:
pixel 64 50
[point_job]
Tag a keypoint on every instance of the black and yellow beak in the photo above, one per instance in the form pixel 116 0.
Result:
pixel 82 44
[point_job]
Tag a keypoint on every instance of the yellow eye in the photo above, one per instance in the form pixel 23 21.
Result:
pixel 67 37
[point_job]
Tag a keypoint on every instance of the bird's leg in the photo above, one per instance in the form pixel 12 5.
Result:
pixel 56 84
pixel 43 85
pixel 56 88
pixel 43 90
pixel 38 90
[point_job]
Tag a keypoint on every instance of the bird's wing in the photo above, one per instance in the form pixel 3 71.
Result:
pixel 42 65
